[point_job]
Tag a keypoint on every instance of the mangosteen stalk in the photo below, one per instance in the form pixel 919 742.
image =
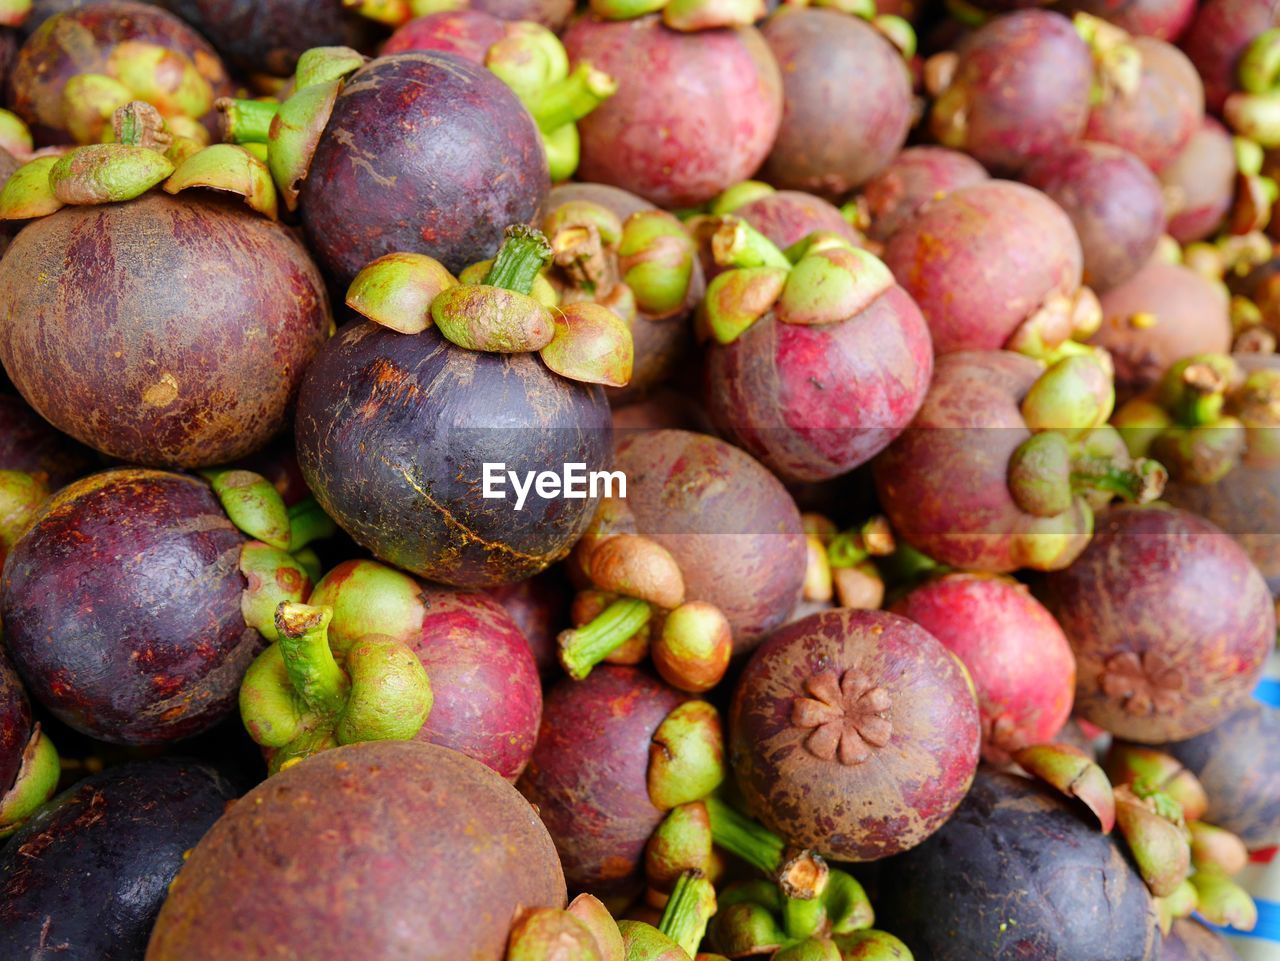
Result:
pixel 246 121
pixel 689 909
pixel 307 523
pixel 523 254
pixel 873 538
pixel 572 98
pixel 584 647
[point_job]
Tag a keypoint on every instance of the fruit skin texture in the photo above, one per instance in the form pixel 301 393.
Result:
pixel 588 772
pixel 90 871
pixel 392 431
pixel 1168 589
pixel 1191 318
pixel 425 153
pixel 30 445
pixel 1218 35
pixel 1238 762
pixel 815 402
pixel 830 142
pixel 1190 941
pixel 1114 202
pixel 730 524
pixel 981 260
pixel 716 96
pixel 79 41
pixel 431 855
pixel 661 346
pixel 788 216
pixel 1015 652
pixel 553 14
pixel 1023 85
pixel 915 177
pixel 1157 120
pixel 15 723
pixel 121 607
pixel 1162 19
pixel 195 365
pixel 907 787
pixel 1200 183
pixel 943 483
pixel 267 36
pixel 1018 873
pixel 467 33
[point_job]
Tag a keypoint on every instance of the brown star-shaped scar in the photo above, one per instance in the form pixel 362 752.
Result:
pixel 845 716
pixel 1146 684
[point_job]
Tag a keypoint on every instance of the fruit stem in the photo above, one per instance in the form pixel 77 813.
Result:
pixel 684 920
pixel 802 917
pixel 1139 484
pixel 523 254
pixel 736 243
pixel 304 644
pixel 246 121
pixel 584 647
pixel 307 523
pixel 744 838
pixel 571 99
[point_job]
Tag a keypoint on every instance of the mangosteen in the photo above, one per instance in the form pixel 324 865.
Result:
pixel 125 605
pixel 1218 36
pixel 1018 874
pixel 539 607
pixel 1189 940
pixel 916 176
pixel 119 51
pixel 196 365
pixel 1199 183
pixel 29 768
pixel 430 856
pixel 84 879
pixel 854 733
pixel 1015 652
pixel 730 525
pixel 28 444
pixel 786 217
pixel 1170 621
pixel 424 152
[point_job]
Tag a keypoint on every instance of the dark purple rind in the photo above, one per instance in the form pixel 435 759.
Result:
pixel 15 723
pixel 84 879
pixel 425 153
pixel 1191 941
pixel 121 608
pixel 30 445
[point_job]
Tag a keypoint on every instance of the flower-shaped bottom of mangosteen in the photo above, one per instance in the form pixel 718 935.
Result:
pixel 846 716
pixel 1145 684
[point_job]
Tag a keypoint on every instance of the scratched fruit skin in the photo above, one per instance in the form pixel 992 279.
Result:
pixel 1018 874
pixel 661 346
pixel 1017 655
pixel 267 36
pixel 694 113
pixel 80 40
pixel 1179 313
pixel 983 259
pixel 30 445
pixel 392 432
pixel 917 768
pixel 815 402
pixel 166 332
pixel 121 607
pixel 394 850
pixel 588 773
pixel 830 142
pixel 1170 622
pixel 84 879
pixel 15 723
pixel 1238 762
pixel 425 152
pixel 730 524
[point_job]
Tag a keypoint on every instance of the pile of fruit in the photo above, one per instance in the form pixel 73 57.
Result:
pixel 654 480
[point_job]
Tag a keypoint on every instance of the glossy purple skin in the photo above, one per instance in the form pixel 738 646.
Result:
pixel 716 95
pixel 121 607
pixel 815 402
pixel 1161 115
pixel 1162 19
pixel 487 699
pixel 915 177
pixel 831 142
pixel 1027 78
pixel 85 878
pixel 79 41
pixel 426 153
pixel 788 216
pixel 1218 35
pixel 30 445
pixel 1200 183
pixel 15 723
pixel 467 33
pixel 1156 582
pixel 1114 201
pixel 588 773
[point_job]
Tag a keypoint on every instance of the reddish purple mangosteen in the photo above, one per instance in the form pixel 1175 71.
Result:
pixel 1162 19
pixel 1200 183
pixel 713 96
pixel 1218 35
pixel 916 176
pixel 455 159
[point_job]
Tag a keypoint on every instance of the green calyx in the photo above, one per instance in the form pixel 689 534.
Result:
pixel 689 908
pixel 872 538
pixel 682 842
pixel 28 193
pixel 686 756
pixel 686 16
pixel 229 169
pixel 36 781
pixel 21 497
pixel 582 648
pixel 253 505
pixel 297 699
pixel 739 195
pixel 822 279
pixel 107 173
pixel 549 934
pixel 272 577
pixel 1255 111
pixel 590 344
pixel 396 291
pixel 655 259
pixel 1158 841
